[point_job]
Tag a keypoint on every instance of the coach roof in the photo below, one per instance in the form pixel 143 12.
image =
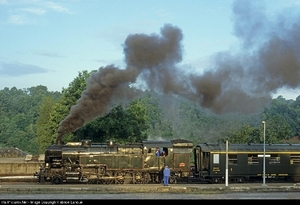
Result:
pixel 249 147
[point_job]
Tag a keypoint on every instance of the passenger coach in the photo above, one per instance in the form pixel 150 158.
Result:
pixel 245 162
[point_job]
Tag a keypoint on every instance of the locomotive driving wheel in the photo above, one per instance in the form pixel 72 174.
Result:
pixel 127 178
pixel 90 180
pixel 120 178
pixel 56 180
pixel 146 178
pixel 172 179
pixel 109 178
pixel 137 178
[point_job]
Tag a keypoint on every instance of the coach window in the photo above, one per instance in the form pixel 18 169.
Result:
pixel 274 159
pixel 294 159
pixel 232 159
pixel 252 159
pixel 216 158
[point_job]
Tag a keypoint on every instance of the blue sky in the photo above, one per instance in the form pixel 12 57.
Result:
pixel 50 42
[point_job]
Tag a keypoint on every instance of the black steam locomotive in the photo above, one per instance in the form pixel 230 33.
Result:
pixel 138 163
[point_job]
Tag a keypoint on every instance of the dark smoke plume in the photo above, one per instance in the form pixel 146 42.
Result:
pixel 243 82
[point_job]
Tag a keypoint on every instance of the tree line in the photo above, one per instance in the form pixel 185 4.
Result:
pixel 30 119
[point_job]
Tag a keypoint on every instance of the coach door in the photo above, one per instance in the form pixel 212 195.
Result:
pixel 204 163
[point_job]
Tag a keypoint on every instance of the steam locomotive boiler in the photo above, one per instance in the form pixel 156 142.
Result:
pixel 112 163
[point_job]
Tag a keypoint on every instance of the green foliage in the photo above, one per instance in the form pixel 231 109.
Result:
pixel 19 113
pixel 242 134
pixel 120 124
pixel 153 113
pixel 60 110
pixel 43 128
pixel 280 118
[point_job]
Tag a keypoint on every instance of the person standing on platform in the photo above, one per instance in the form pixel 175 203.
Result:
pixel 166 176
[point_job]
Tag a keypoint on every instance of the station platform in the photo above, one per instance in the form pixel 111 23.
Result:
pixel 35 187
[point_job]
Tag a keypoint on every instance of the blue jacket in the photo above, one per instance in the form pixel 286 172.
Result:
pixel 166 172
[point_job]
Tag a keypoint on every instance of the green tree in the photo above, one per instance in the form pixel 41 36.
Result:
pixel 277 129
pixel 120 124
pixel 19 113
pixel 153 113
pixel 137 120
pixel 43 129
pixel 280 117
pixel 61 109
pixel 242 135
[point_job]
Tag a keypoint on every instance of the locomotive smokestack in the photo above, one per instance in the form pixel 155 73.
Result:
pixel 58 141
pixel 59 138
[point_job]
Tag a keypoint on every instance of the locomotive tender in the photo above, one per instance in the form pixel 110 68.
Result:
pixel 137 163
